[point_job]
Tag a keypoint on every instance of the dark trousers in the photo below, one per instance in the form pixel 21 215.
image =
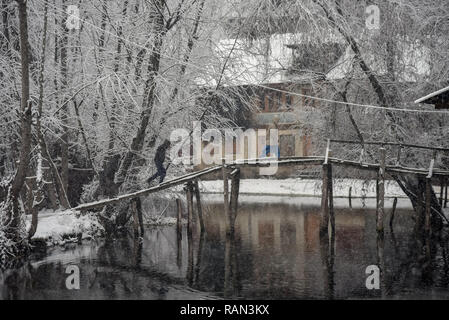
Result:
pixel 161 172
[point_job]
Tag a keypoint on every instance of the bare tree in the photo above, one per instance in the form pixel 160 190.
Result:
pixel 11 205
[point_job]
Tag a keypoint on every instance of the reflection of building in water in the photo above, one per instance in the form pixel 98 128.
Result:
pixel 278 255
pixel 279 247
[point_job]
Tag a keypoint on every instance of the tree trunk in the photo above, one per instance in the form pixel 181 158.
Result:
pixel 64 113
pixel 40 177
pixel 190 44
pixel 149 97
pixel 25 127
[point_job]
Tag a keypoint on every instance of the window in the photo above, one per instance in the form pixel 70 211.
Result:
pixel 275 101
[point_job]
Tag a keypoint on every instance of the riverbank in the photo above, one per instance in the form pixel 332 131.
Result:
pixel 67 226
pixel 306 188
pixel 61 227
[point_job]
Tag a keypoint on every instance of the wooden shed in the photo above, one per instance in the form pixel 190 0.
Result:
pixel 438 98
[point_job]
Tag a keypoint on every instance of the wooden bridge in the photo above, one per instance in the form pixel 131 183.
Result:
pixel 231 171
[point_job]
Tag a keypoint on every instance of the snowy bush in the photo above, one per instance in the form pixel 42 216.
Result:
pixel 7 248
pixel 89 193
pixel 68 226
pixel 11 249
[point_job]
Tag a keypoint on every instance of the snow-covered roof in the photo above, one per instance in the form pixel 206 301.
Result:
pixel 262 60
pixel 258 61
pixel 267 60
pixel 415 62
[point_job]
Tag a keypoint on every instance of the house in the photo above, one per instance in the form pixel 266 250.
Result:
pixel 438 98
pixel 259 70
pixel 277 108
pixel 281 70
pixel 273 107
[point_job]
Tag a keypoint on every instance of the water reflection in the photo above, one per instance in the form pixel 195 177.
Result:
pixel 275 252
pixel 327 250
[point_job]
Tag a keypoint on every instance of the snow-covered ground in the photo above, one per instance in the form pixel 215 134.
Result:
pixel 307 202
pixel 64 226
pixel 60 227
pixel 306 187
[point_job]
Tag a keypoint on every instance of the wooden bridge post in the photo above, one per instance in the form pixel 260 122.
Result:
pixel 380 214
pixel 427 222
pixel 441 192
pixel 445 193
pixel 324 219
pixel 377 195
pixel 350 197
pixel 393 212
pixel 138 226
pixel 135 219
pixel 189 195
pixel 381 193
pixel 199 256
pixel 427 227
pixel 199 205
pixel 331 198
pixel 226 195
pixel 179 233
pixel 190 262
pixel 235 186
pixel 179 216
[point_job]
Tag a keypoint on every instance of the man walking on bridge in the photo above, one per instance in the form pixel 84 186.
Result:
pixel 159 159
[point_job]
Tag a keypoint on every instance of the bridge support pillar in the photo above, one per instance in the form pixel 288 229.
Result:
pixel 189 195
pixel 179 233
pixel 138 227
pixel 324 218
pixel 380 214
pixel 441 192
pixel 226 196
pixel 235 186
pixel 179 217
pixel 427 223
pixel 445 193
pixel 199 205
pixel 330 186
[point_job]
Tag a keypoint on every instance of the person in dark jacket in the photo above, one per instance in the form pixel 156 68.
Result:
pixel 159 159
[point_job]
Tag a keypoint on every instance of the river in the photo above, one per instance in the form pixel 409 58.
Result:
pixel 275 253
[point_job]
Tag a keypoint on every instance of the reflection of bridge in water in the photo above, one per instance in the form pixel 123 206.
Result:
pixel 231 171
pixel 324 226
pixel 273 252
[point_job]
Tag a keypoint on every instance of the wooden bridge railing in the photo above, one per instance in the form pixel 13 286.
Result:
pixel 231 171
pixel 299 161
pixel 165 185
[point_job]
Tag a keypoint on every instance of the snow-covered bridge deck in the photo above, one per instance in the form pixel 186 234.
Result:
pixel 261 162
pixel 327 216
